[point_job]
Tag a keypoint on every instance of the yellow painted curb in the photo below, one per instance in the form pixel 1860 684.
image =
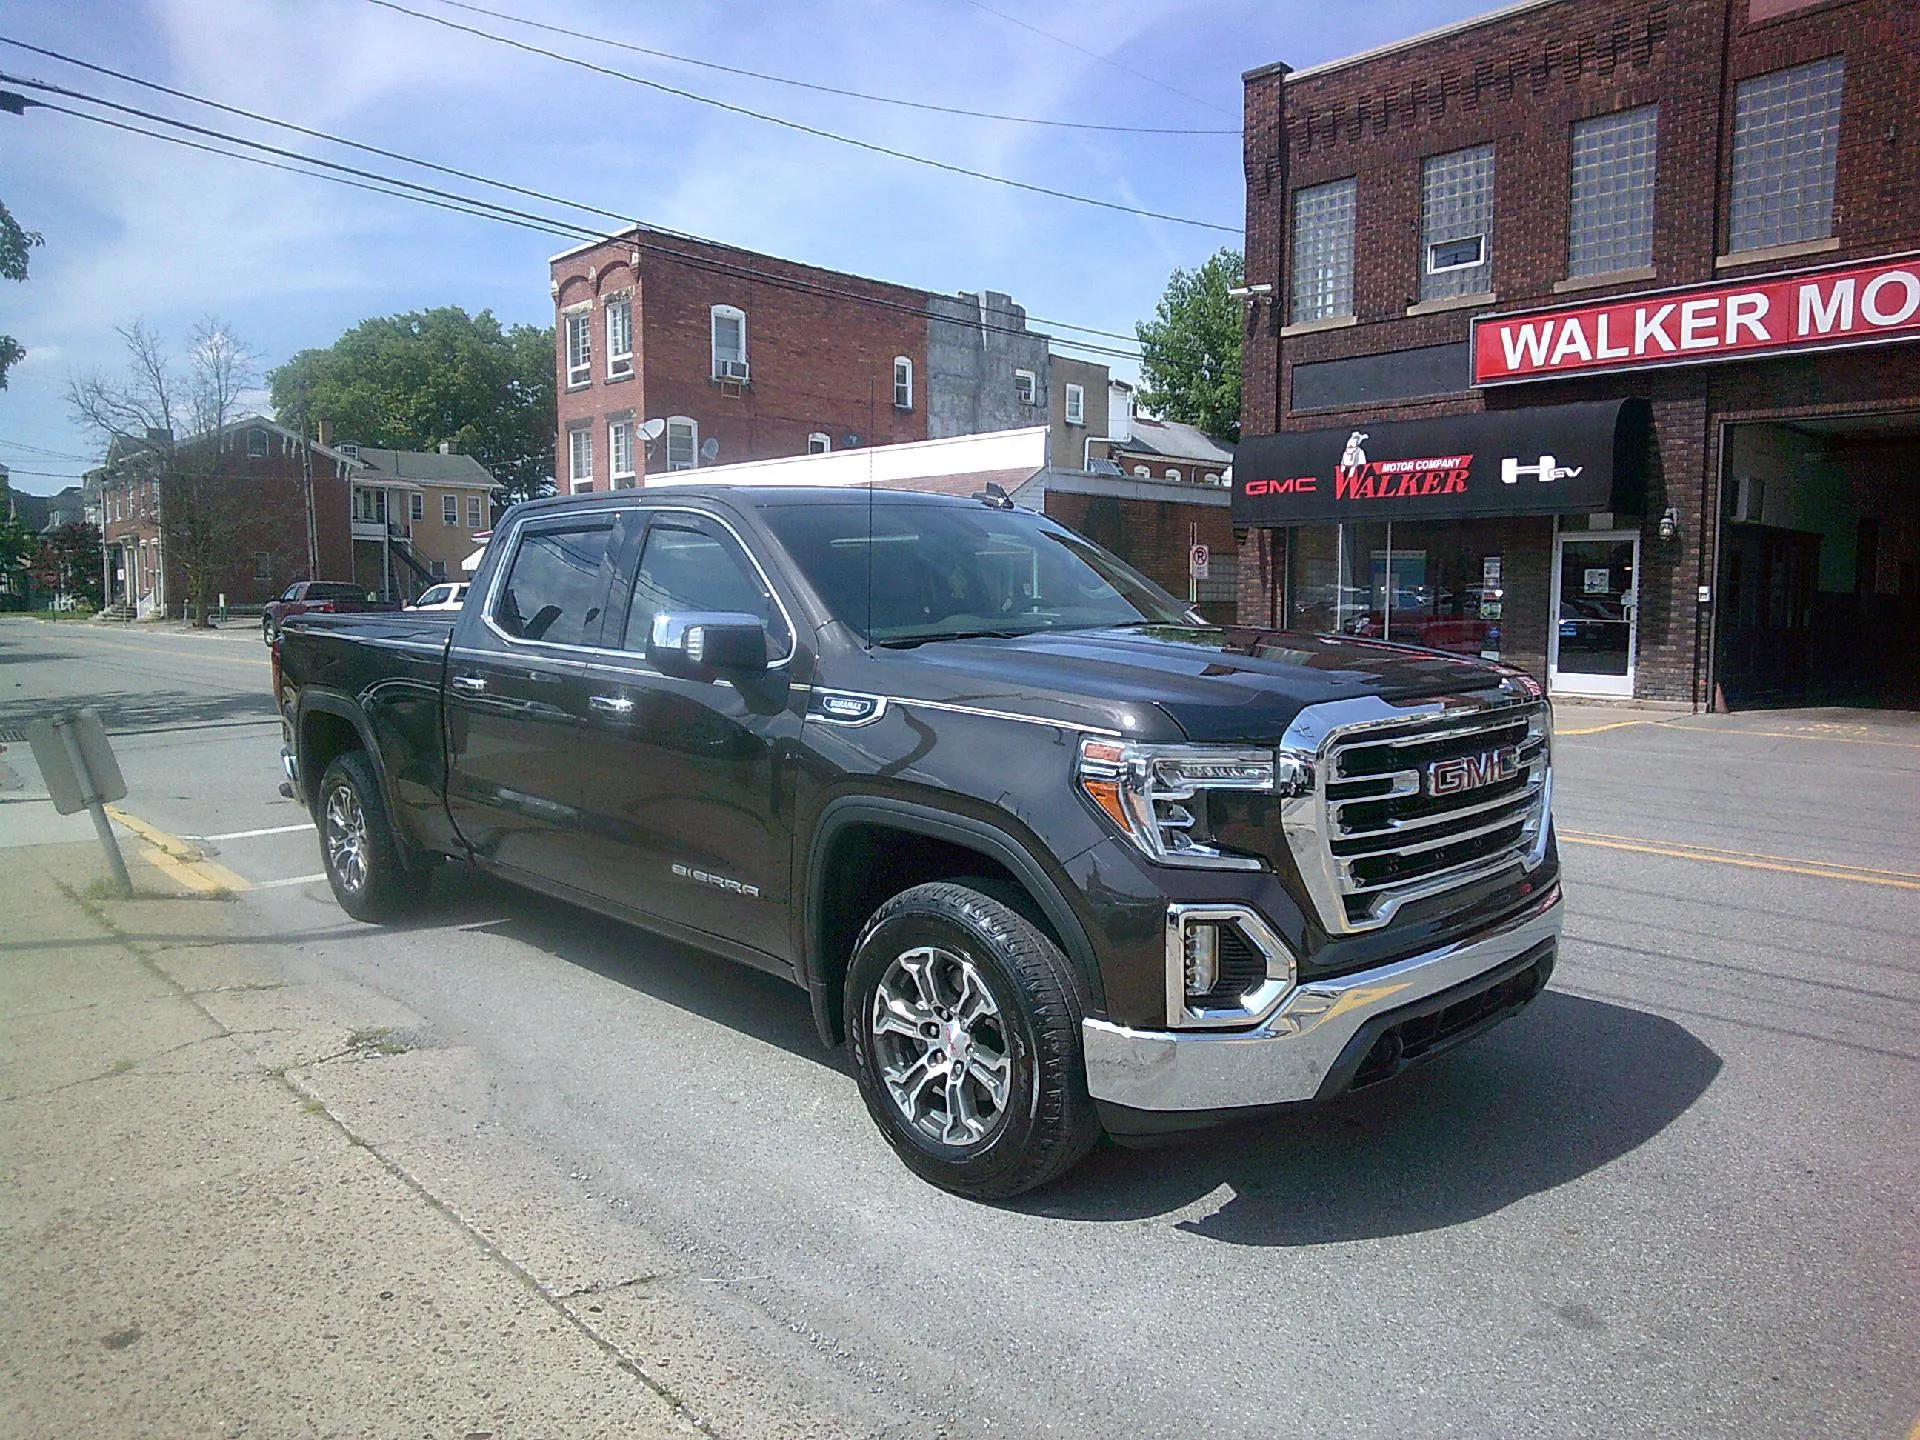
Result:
pixel 178 860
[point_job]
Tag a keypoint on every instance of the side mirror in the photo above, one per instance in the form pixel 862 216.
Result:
pixel 688 642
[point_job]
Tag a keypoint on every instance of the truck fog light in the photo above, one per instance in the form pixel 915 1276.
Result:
pixel 1203 958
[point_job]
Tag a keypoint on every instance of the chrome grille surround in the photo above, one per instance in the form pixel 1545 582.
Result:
pixel 1369 836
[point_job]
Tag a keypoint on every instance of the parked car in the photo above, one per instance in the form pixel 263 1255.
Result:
pixel 318 597
pixel 1050 855
pixel 447 595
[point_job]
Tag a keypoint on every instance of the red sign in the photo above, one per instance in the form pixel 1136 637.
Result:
pixel 1769 315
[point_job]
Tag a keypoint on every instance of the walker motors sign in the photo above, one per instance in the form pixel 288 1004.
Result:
pixel 1534 460
pixel 1833 308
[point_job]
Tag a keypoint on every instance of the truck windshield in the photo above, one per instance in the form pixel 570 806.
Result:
pixel 900 574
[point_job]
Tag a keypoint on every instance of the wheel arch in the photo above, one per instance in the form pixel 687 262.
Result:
pixel 963 846
pixel 327 725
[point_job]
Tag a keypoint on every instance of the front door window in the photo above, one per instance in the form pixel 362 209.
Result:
pixel 1594 628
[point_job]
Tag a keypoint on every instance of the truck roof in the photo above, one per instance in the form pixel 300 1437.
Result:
pixel 755 496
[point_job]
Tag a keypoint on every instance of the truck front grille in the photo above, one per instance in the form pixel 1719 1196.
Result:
pixel 1411 806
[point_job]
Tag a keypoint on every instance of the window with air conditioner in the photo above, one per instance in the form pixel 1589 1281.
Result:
pixel 729 343
pixel 619 337
pixel 475 513
pixel 449 510
pixel 579 336
pixel 1786 137
pixel 580 458
pixel 902 383
pixel 620 452
pixel 1456 224
pixel 819 443
pixel 1026 386
pixel 683 443
pixel 1076 405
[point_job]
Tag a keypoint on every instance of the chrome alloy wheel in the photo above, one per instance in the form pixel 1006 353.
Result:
pixel 942 1046
pixel 346 832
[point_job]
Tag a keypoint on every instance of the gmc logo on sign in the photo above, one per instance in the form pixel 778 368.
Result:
pixel 1470 772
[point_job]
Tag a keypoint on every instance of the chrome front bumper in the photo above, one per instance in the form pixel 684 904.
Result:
pixel 1289 1055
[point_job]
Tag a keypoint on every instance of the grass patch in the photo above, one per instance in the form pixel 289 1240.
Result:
pixel 377 1040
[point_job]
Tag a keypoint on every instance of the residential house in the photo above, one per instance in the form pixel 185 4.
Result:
pixel 449 502
pixel 677 354
pixel 1168 450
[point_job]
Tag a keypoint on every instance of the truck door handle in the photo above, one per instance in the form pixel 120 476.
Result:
pixel 468 684
pixel 611 704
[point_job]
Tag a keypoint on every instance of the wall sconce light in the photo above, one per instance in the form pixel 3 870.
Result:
pixel 1670 524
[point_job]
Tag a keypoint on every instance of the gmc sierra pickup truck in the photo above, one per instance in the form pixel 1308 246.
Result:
pixel 1049 854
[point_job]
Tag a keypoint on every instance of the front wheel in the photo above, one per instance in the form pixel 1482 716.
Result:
pixel 357 845
pixel 266 628
pixel 964 1025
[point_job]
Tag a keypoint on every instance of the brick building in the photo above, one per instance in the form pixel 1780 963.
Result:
pixel 676 354
pixel 1583 337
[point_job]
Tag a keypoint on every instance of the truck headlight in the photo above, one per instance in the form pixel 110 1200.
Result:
pixel 1145 790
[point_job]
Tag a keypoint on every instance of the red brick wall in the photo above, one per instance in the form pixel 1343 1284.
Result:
pixel 1153 536
pixel 1521 83
pixel 820 361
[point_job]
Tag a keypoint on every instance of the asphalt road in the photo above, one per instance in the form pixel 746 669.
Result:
pixel 1677 1197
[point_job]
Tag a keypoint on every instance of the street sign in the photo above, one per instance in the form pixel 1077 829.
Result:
pixel 1199 561
pixel 77 764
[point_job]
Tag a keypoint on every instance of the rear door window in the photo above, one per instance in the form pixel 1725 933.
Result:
pixel 556 585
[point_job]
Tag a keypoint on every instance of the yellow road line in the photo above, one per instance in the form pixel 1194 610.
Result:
pixel 1802 735
pixel 143 649
pixel 174 856
pixel 1817 869
pixel 1612 725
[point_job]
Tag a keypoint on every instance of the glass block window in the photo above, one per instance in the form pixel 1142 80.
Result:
pixel 1610 222
pixel 1323 252
pixel 1456 224
pixel 1786 132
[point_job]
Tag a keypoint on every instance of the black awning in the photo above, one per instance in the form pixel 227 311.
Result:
pixel 1534 460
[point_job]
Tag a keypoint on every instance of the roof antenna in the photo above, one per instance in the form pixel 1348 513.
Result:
pixel 993 495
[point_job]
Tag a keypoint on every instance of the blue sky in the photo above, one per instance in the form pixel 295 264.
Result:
pixel 138 228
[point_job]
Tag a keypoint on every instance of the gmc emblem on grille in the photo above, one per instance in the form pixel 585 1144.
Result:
pixel 1470 772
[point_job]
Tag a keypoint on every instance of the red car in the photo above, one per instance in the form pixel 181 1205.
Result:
pixel 318 597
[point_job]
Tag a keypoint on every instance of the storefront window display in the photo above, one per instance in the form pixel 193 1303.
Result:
pixel 1437 584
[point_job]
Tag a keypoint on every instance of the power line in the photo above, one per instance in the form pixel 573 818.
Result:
pixel 829 89
pixel 1096 55
pixel 37 450
pixel 362 179
pixel 46 474
pixel 813 130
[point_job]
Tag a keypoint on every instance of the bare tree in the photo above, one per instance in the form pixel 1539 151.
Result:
pixel 170 419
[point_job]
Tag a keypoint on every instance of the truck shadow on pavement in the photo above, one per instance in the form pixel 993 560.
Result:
pixel 1567 1088
pixel 123 712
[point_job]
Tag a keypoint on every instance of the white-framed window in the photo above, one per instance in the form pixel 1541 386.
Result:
pixel 620 451
pixel 579 327
pixel 1076 404
pixel 902 383
pixel 580 458
pixel 819 443
pixel 729 342
pixel 369 505
pixel 1323 251
pixel 475 514
pixel 1456 224
pixel 619 337
pixel 449 509
pixel 1210 478
pixel 1172 474
pixel 1786 136
pixel 256 444
pixel 416 507
pixel 1027 386
pixel 1610 210
pixel 1143 472
pixel 439 568
pixel 683 443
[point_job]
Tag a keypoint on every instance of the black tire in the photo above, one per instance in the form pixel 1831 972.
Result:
pixel 362 861
pixel 266 628
pixel 1044 1122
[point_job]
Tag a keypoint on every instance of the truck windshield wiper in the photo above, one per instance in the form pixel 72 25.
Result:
pixel 907 642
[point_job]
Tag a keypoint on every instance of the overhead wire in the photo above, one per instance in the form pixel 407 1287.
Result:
pixel 926 105
pixel 480 208
pixel 1096 55
pixel 804 129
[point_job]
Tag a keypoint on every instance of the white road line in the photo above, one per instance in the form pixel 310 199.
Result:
pixel 251 834
pixel 291 880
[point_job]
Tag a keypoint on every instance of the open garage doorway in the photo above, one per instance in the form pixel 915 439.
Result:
pixel 1819 576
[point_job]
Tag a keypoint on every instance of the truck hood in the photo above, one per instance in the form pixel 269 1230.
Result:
pixel 1233 685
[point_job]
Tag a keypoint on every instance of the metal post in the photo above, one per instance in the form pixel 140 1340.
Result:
pixel 90 792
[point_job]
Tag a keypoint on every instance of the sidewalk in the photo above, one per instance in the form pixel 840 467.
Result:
pixel 194 1244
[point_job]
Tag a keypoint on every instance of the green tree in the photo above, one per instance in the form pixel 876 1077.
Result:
pixel 70 561
pixel 1190 350
pixel 14 245
pixel 408 382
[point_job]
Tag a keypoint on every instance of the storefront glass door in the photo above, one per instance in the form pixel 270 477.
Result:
pixel 1595 580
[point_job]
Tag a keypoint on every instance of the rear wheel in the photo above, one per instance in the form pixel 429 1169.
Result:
pixel 964 1025
pixel 357 844
pixel 266 628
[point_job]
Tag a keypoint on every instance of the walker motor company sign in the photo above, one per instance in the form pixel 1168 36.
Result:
pixel 1856 304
